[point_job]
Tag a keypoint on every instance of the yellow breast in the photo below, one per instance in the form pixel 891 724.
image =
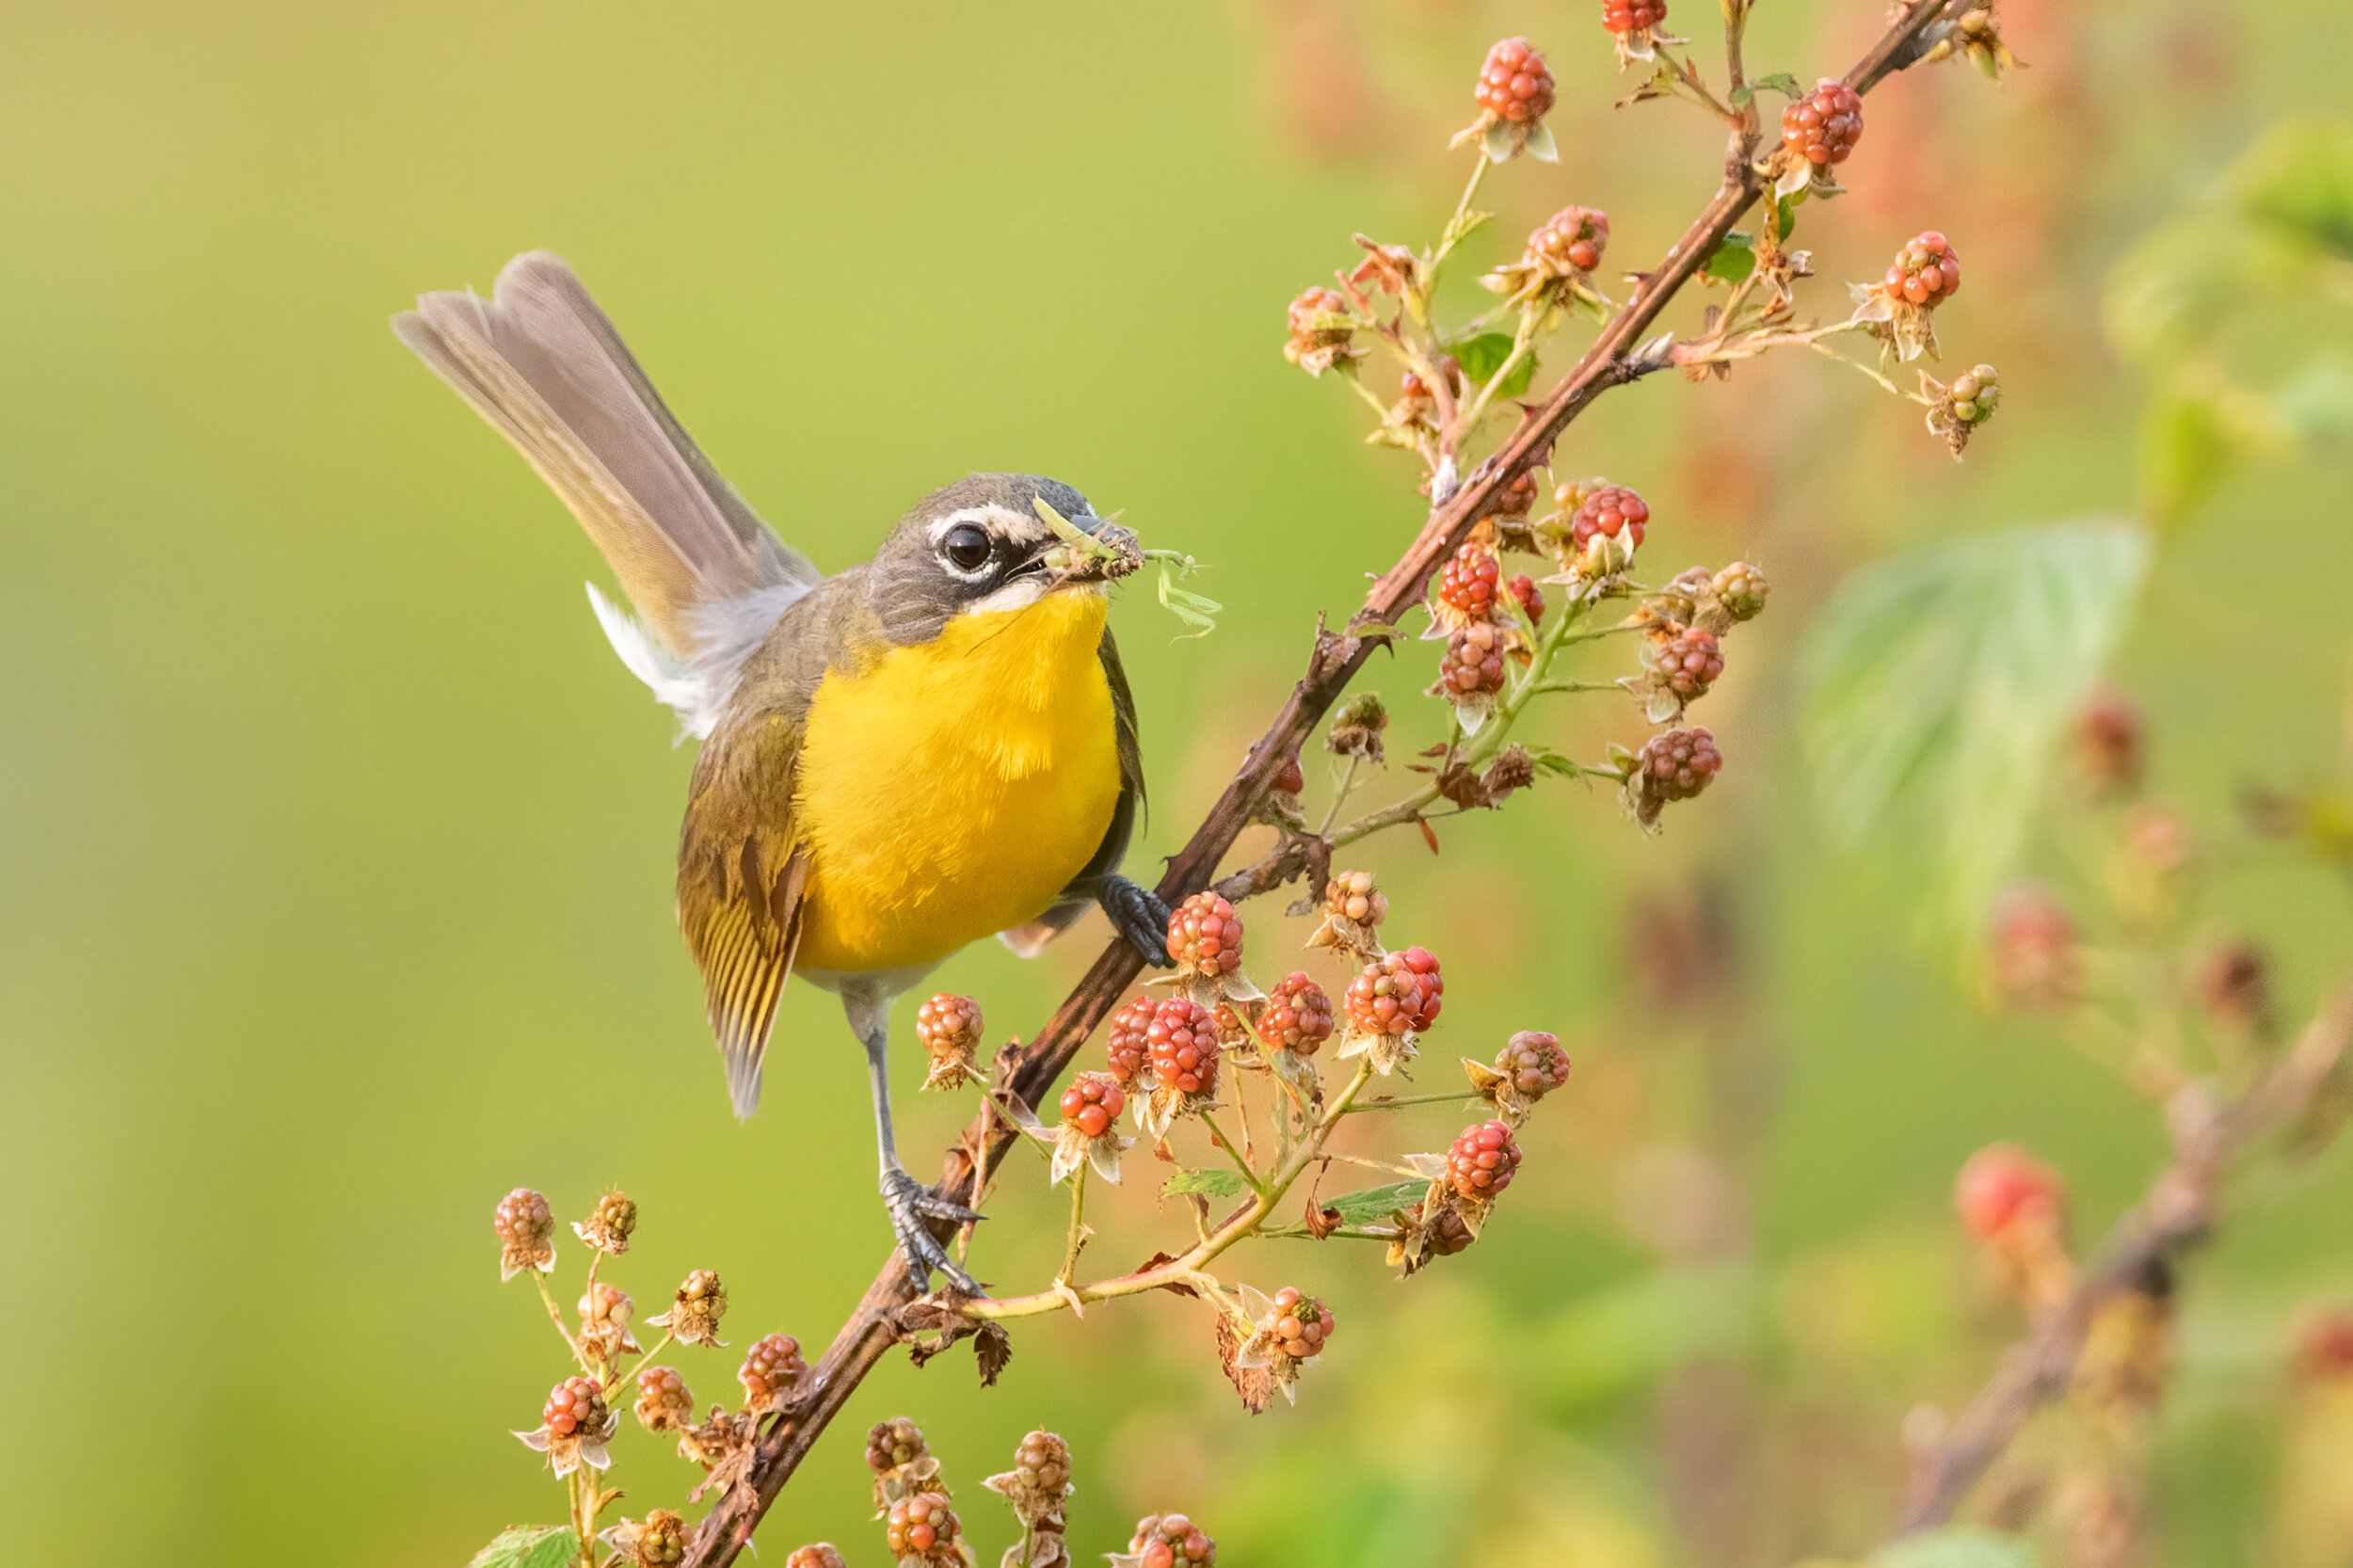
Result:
pixel 953 789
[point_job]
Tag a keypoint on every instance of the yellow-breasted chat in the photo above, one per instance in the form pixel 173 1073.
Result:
pixel 898 759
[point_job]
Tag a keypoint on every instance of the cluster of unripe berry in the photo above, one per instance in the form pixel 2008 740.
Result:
pixel 1299 1325
pixel 1822 127
pixel 1093 1102
pixel 772 1371
pixel 1926 272
pixel 923 1526
pixel 574 1406
pixel 1515 84
pixel 1399 993
pixel 1171 1541
pixel 1481 1162
pixel 1205 936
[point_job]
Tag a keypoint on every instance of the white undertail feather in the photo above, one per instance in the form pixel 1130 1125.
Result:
pixel 696 687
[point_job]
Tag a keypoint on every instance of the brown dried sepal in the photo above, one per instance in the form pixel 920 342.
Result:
pixel 1254 1383
pixel 1444 1225
pixel 724 1446
pixel 1354 908
pixel 657 1541
pixel 1356 727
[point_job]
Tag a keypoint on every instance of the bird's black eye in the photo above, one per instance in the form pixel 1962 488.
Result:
pixel 966 547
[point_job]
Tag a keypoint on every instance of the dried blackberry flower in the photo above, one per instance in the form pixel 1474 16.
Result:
pixel 608 1225
pixel 1387 269
pixel 1281 1334
pixel 724 1446
pixel 604 1314
pixel 524 1224
pixel 1514 768
pixel 658 1541
pixel 695 1314
pixel 1956 412
pixel 903 1462
pixel 1323 332
pixel 1356 727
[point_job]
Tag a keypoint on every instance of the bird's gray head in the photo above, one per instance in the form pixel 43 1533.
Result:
pixel 982 544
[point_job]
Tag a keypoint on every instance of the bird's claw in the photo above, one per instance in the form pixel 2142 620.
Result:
pixel 1138 914
pixel 912 1207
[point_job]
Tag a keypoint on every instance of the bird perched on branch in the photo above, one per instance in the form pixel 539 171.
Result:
pixel 897 760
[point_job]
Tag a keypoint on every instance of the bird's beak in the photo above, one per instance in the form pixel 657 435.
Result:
pixel 1087 550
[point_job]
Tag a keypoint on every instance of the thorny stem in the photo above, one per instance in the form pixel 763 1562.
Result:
pixel 1339 794
pixel 2173 1216
pixel 1613 359
pixel 1455 1098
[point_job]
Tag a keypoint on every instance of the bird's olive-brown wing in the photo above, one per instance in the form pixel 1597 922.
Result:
pixel 740 875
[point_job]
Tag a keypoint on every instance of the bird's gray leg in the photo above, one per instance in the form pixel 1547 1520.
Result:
pixel 1137 913
pixel 912 1205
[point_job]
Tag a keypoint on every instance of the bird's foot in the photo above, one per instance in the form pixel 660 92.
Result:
pixel 913 1206
pixel 1137 913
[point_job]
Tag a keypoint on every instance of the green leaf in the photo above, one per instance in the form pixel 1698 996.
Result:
pixel 1785 213
pixel 1212 1183
pixel 1780 82
pixel 1485 354
pixel 2298 181
pixel 1552 761
pixel 2316 402
pixel 1960 1546
pixel 1936 683
pixel 530 1546
pixel 2169 294
pixel 1734 260
pixel 1378 1202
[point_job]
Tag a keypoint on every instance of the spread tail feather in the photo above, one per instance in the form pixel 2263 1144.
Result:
pixel 543 365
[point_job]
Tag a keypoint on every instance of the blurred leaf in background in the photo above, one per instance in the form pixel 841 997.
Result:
pixel 1936 684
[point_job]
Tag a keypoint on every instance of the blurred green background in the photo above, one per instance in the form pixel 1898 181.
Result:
pixel 336 846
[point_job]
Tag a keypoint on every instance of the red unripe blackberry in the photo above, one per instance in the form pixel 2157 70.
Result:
pixel 921 1525
pixel 948 1025
pixel 2001 1188
pixel 1298 1016
pixel 1171 1541
pixel 1630 16
pixel 664 1402
pixel 1466 584
pixel 1534 1063
pixel 1516 84
pixel 1205 936
pixel 1925 272
pixel 818 1554
pixel 1290 780
pixel 1823 127
pixel 1093 1103
pixel 1312 303
pixel 1677 765
pixel 1398 993
pixel 1687 663
pixel 1530 597
pixel 771 1370
pixel 1473 664
pixel 1354 896
pixel 1183 1038
pixel 1300 1325
pixel 1481 1162
pixel 1128 1043
pixel 574 1406
pixel 1517 499
pixel 894 1443
pixel 1573 236
pixel 1610 509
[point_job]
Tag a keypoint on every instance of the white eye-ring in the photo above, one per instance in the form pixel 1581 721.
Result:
pixel 966 549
